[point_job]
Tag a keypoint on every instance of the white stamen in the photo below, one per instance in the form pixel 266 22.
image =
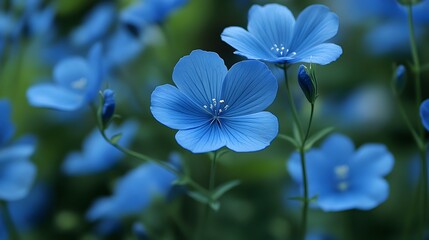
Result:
pixel 79 84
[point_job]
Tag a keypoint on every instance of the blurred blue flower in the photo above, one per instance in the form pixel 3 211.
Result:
pixel 77 82
pixel 140 231
pixel 97 155
pixel 343 179
pixel 274 36
pixel 213 107
pixel 17 172
pixel 424 113
pixel 133 193
pixel 122 46
pixel 95 26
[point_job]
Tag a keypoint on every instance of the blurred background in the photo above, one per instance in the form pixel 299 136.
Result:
pixel 355 98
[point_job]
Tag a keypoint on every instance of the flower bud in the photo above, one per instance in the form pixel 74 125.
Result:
pixel 308 83
pixel 108 109
pixel 399 79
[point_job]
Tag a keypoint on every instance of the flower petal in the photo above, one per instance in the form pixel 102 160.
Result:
pixel 320 54
pixel 72 73
pixel 339 148
pixel 95 77
pixel 249 87
pixel 200 76
pixel 205 138
pixel 372 160
pixel 56 97
pixel 251 132
pixel 23 148
pixel 246 44
pixel 271 24
pixel 424 113
pixel 6 126
pixel 314 25
pixel 175 110
pixel 16 178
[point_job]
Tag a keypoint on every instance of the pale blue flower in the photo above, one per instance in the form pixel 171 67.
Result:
pixel 343 178
pixel 17 172
pixel 273 35
pixel 213 107
pixel 97 155
pixel 77 82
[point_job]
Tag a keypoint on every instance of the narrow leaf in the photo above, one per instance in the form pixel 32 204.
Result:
pixel 199 197
pixel 296 134
pixel 222 189
pixel 318 136
pixel 288 139
pixel 115 139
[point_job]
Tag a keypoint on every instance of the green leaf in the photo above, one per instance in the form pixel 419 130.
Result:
pixel 313 199
pixel 301 199
pixel 181 181
pixel 289 139
pixel 199 197
pixel 222 189
pixel 318 136
pixel 115 139
pixel 215 205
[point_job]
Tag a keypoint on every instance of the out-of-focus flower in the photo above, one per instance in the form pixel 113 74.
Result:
pixel 77 82
pixel 424 113
pixel 95 26
pixel 213 107
pixel 97 155
pixel 133 193
pixel 343 179
pixel 273 35
pixel 17 172
pixel 140 231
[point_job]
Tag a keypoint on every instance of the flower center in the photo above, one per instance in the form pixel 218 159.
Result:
pixel 216 108
pixel 280 51
pixel 341 174
pixel 79 84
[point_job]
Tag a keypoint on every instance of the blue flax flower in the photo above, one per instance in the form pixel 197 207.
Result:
pixel 133 193
pixel 424 113
pixel 342 178
pixel 97 155
pixel 17 173
pixel 77 82
pixel 274 36
pixel 213 107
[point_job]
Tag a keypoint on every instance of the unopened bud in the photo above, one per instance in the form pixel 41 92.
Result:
pixel 308 83
pixel 108 109
pixel 399 79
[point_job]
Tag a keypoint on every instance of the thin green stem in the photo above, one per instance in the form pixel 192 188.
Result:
pixel 421 146
pixel 11 229
pixel 305 207
pixel 213 171
pixel 292 102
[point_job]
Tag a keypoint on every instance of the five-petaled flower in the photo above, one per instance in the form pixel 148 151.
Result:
pixel 274 36
pixel 343 179
pixel 213 107
pixel 77 83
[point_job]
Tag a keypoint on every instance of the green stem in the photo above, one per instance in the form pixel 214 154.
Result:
pixel 10 226
pixel 421 146
pixel 213 171
pixel 292 102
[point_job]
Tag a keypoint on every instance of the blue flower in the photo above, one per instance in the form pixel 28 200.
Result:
pixel 17 172
pixel 133 193
pixel 424 113
pixel 274 36
pixel 343 179
pixel 97 155
pixel 108 108
pixel 213 107
pixel 77 82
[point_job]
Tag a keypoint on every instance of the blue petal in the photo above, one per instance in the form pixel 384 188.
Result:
pixel 205 138
pixel 372 160
pixel 246 44
pixel 72 73
pixel 95 25
pixel 251 132
pixel 424 113
pixel 100 209
pixel 56 97
pixel 339 148
pixel 175 110
pixel 200 76
pixel 314 25
pixel 18 150
pixel 95 77
pixel 6 126
pixel 249 87
pixel 320 54
pixel 271 24
pixel 16 178
pixel 122 47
